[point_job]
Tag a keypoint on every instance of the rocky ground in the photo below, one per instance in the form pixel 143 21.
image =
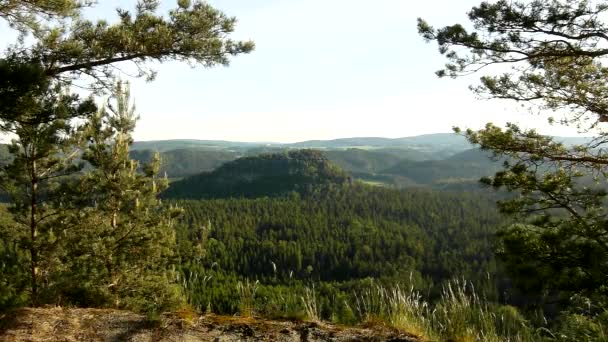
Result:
pixel 61 324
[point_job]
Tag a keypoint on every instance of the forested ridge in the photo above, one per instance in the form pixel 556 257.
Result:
pixel 269 174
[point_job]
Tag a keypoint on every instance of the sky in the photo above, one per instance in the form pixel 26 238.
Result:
pixel 322 69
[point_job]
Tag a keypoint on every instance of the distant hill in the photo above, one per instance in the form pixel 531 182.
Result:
pixel 450 140
pixel 178 144
pixel 466 166
pixel 186 162
pixel 366 161
pixel 346 143
pixel 401 162
pixel 190 161
pixel 264 175
pixel 472 155
pixel 414 154
pixel 574 140
pixel 429 141
pixel 267 149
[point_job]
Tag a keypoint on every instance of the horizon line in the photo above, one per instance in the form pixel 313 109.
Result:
pixel 296 142
pixel 322 140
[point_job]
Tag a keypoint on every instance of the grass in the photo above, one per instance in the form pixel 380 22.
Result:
pixel 310 305
pixel 460 314
pixel 282 303
pixel 192 285
pixel 402 309
pixel 247 291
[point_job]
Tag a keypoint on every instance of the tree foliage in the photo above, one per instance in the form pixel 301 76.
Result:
pixel 194 33
pixel 36 106
pixel 124 233
pixel 43 154
pixel 28 15
pixel 553 53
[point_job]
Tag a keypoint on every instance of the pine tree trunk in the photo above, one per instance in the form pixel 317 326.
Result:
pixel 110 263
pixel 34 235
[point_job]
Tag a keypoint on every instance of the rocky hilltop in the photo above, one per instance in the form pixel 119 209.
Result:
pixel 62 324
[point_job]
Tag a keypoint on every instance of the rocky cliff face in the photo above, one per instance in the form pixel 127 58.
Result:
pixel 61 324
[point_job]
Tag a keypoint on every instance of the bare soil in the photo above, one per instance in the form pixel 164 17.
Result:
pixel 63 324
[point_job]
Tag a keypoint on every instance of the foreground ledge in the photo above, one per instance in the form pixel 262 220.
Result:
pixel 63 324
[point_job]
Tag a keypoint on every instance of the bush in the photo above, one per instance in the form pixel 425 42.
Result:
pixel 579 327
pixel 152 294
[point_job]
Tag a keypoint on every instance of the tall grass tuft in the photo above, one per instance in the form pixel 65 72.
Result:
pixel 194 286
pixel 309 300
pixel 460 314
pixel 402 309
pixel 281 303
pixel 247 292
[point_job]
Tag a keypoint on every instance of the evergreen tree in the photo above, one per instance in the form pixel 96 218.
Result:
pixel 555 51
pixel 13 265
pixel 125 237
pixel 43 155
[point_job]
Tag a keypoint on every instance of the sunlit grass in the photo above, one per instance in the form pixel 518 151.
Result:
pixel 247 291
pixel 461 313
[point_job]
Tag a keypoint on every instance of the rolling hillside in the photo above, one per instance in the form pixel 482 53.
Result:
pixel 263 175
pixel 186 162
pixel 167 145
pixel 436 160
pixel 465 166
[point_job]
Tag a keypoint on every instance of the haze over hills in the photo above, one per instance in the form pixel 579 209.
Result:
pixel 438 140
pixel 435 160
pixel 435 141
pixel 431 142
pixel 167 145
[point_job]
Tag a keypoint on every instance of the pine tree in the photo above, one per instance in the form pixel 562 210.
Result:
pixel 43 155
pixel 126 237
pixel 553 57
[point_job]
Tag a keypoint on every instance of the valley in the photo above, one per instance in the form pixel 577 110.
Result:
pixel 438 161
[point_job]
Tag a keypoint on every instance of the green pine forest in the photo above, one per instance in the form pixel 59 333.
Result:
pixel 496 234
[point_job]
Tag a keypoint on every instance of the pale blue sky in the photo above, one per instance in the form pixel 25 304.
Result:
pixel 322 69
